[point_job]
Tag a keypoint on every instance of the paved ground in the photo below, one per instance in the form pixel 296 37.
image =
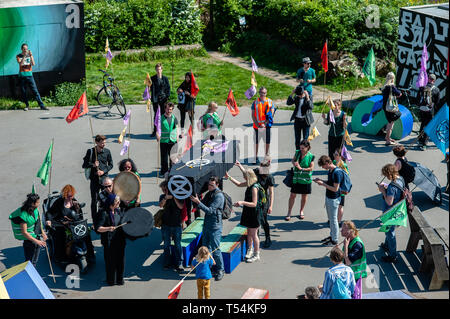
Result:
pixel 291 264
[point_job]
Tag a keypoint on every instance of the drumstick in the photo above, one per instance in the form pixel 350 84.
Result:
pixel 128 222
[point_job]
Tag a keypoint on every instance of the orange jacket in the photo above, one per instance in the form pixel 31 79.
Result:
pixel 260 109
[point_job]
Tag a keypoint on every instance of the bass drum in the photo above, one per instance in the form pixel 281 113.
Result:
pixel 127 185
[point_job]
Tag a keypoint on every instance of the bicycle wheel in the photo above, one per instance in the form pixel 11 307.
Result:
pixel 105 96
pixel 118 102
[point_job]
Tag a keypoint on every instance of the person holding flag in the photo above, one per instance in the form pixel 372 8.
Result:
pixel 160 91
pixel 186 102
pixel 306 76
pixel 99 160
pixel 337 120
pixel 428 98
pixel 263 110
pixel 169 135
pixel 392 194
pixel 25 222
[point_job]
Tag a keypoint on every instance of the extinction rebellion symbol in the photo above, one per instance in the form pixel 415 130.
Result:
pixel 442 131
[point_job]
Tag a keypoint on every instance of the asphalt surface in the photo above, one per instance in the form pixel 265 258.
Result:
pixel 293 262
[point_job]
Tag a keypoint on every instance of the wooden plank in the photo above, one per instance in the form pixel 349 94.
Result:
pixel 440 264
pixel 255 293
pixel 443 235
pixel 416 214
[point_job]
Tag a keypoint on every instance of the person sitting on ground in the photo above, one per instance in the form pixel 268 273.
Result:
pixel 338 272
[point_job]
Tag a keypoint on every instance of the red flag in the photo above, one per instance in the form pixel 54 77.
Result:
pixel 324 57
pixel 188 144
pixel 231 104
pixel 194 86
pixel 79 109
pixel 173 294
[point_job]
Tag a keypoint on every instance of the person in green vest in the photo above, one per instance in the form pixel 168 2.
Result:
pixel 354 252
pixel 211 124
pixel 339 162
pixel 169 136
pixel 26 226
pixel 303 163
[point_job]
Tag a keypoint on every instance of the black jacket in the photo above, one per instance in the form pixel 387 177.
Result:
pixel 160 91
pixel 56 211
pixel 306 108
pixel 108 238
pixel 104 158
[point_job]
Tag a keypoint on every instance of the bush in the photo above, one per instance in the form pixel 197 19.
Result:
pixel 135 24
pixel 66 94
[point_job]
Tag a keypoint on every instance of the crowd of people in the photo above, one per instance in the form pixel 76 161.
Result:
pixel 107 208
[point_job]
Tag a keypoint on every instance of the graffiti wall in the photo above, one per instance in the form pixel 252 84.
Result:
pixel 417 27
pixel 54 34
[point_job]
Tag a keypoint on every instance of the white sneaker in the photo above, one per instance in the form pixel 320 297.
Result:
pixel 249 253
pixel 254 258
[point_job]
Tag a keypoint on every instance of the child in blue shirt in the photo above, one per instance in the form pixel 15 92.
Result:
pixel 202 263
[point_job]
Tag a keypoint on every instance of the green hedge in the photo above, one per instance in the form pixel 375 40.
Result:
pixel 136 24
pixel 307 24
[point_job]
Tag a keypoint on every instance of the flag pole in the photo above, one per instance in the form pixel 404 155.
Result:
pixel 51 168
pixel 129 135
pixel 93 139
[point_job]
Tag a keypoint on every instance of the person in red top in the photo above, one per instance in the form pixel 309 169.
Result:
pixel 25 60
pixel 262 115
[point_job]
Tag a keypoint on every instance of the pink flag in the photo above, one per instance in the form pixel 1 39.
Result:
pixel 345 154
pixel 331 116
pixel 146 95
pixel 158 121
pixel 254 66
pixel 126 118
pixel 250 92
pixel 109 55
pixel 422 78
pixel 124 150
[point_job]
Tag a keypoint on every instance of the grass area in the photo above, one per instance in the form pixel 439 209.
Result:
pixel 213 77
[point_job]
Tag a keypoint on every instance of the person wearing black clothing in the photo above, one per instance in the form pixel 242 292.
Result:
pixel 113 240
pixel 302 114
pixel 172 228
pixel 160 91
pixel 66 209
pixel 107 188
pixel 405 170
pixel 98 159
pixel 388 90
pixel 185 102
pixel 428 98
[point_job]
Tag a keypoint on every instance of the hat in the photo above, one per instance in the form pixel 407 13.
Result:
pixel 110 199
pixel 264 167
pixel 306 60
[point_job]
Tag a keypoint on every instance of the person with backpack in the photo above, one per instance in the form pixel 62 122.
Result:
pixel 405 170
pixel 332 196
pixel 392 194
pixel 340 162
pixel 339 280
pixel 390 106
pixel 428 98
pixel 253 206
pixel 212 204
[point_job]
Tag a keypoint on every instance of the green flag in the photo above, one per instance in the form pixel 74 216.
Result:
pixel 369 67
pixel 33 191
pixel 396 215
pixel 44 171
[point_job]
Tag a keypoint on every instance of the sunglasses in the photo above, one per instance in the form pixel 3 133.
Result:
pixel 107 186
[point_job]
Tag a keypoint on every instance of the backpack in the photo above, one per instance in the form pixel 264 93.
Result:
pixel 227 206
pixel 262 198
pixel 407 195
pixel 346 184
pixel 392 104
pixel 339 290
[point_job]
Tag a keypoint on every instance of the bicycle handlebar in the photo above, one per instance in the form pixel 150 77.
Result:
pixel 106 74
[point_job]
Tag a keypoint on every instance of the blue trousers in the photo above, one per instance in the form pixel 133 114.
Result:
pixel 211 239
pixel 391 242
pixel 169 232
pixel 29 81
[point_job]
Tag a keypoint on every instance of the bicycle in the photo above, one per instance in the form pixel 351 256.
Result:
pixel 109 95
pixel 414 109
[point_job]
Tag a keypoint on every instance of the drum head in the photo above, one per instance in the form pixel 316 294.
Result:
pixel 140 222
pixel 127 186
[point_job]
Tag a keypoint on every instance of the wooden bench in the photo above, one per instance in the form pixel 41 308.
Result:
pixel 190 239
pixel 255 293
pixel 234 247
pixel 435 245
